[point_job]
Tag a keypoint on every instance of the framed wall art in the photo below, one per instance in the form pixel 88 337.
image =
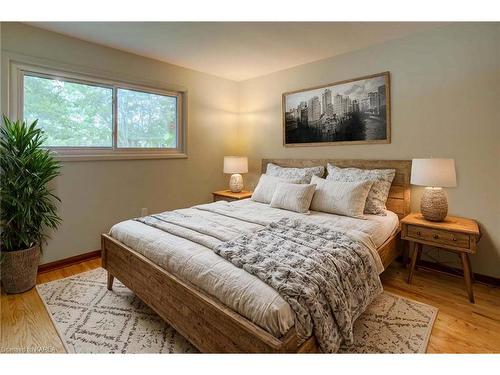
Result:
pixel 355 111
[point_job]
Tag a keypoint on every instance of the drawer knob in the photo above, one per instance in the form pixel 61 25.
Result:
pixel 435 236
pixel 418 233
pixel 454 238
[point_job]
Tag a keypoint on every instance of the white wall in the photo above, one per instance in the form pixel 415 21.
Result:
pixel 445 86
pixel 97 194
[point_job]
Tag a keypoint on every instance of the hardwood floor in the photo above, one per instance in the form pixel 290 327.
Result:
pixel 25 324
pixel 460 327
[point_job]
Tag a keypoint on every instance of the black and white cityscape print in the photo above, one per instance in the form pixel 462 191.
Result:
pixel 352 111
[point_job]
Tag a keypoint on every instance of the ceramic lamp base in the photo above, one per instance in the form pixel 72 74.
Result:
pixel 236 183
pixel 434 204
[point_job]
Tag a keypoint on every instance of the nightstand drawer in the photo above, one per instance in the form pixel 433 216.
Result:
pixel 439 237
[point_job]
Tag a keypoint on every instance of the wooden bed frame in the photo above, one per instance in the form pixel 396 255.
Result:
pixel 208 324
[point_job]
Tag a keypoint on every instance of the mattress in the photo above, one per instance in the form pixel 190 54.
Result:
pixel 234 287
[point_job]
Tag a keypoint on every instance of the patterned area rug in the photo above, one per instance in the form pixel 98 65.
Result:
pixel 91 319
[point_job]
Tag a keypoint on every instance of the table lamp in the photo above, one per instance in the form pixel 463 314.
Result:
pixel 235 165
pixel 434 174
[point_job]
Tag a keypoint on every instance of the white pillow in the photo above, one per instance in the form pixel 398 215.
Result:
pixel 341 198
pixel 302 174
pixel 382 180
pixel 293 197
pixel 265 188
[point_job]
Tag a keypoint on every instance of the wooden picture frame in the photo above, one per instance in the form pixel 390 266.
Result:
pixel 321 118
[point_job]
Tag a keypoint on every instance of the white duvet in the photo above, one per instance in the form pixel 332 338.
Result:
pixel 233 286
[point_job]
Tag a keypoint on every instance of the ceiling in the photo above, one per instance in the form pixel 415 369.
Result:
pixel 237 50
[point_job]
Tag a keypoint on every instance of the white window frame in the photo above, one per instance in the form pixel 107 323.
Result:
pixel 18 72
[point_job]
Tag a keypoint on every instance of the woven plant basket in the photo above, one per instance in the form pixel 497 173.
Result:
pixel 19 269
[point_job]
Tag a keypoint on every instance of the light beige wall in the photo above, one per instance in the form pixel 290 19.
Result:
pixel 445 102
pixel 97 194
pixel 445 87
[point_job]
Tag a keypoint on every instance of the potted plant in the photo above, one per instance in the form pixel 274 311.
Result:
pixel 27 204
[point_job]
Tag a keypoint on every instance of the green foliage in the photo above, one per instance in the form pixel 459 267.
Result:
pixel 27 204
pixel 81 115
pixel 146 120
pixel 71 114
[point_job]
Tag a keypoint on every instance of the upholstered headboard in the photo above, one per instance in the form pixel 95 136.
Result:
pixel 399 195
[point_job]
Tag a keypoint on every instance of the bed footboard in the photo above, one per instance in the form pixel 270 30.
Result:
pixel 208 324
pixel 205 322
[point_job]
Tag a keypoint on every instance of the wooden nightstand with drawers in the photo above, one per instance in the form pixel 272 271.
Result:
pixel 228 195
pixel 455 234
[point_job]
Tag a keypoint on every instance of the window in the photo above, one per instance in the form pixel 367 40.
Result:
pixel 71 114
pixel 146 120
pixel 90 117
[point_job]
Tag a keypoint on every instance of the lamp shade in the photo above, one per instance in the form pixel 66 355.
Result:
pixel 235 164
pixel 433 172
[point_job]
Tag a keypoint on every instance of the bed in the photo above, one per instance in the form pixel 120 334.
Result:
pixel 221 308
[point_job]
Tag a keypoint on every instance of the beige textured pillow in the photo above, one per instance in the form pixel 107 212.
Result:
pixel 340 197
pixel 382 180
pixel 293 197
pixel 264 190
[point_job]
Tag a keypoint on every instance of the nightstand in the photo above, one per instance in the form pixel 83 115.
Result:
pixel 455 234
pixel 228 195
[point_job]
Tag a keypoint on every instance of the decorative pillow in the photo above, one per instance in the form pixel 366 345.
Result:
pixel 382 180
pixel 342 198
pixel 265 188
pixel 293 197
pixel 302 174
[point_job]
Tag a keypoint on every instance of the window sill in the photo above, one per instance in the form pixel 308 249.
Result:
pixel 118 156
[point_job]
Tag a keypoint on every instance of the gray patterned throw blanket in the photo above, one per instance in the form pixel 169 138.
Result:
pixel 327 276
